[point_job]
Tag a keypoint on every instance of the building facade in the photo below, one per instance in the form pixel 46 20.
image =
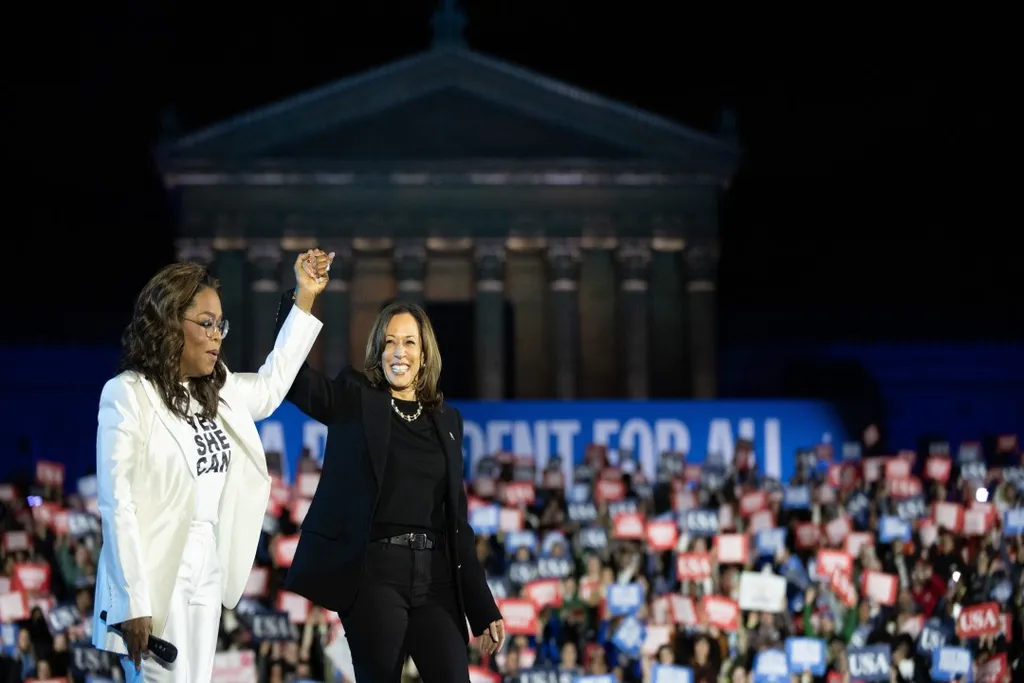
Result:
pixel 455 177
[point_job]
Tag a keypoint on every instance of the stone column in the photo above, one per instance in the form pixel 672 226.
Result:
pixel 634 258
pixel 564 310
pixel 489 335
pixel 336 309
pixel 410 257
pixel 229 267
pixel 264 297
pixel 702 275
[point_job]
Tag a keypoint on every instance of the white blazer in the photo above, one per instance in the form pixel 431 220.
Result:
pixel 146 487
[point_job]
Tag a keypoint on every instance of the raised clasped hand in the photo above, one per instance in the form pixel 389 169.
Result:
pixel 311 270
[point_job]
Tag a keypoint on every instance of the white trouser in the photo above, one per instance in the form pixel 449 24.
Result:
pixel 193 620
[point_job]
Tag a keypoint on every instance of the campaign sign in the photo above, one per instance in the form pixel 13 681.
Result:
pixel 805 655
pixel 543 675
pixel 949 663
pixel 892 528
pixel 554 567
pixel 771 666
pixel 592 538
pixel 857 505
pixel 582 513
pixel 273 626
pixel 521 539
pixel 485 520
pixel 670 673
pixel 85 660
pixel 596 678
pixel 82 523
pixel 629 637
pixel 624 598
pixel 62 617
pixel 8 639
pixel 770 541
pixel 700 522
pixel 1013 522
pixel 796 498
pixel 522 573
pixel 869 663
pixel 911 508
pixel 545 429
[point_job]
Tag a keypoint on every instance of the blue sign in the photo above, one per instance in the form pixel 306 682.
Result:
pixel 625 599
pixel 1013 522
pixel 892 528
pixel 629 637
pixel 671 673
pixel 869 663
pixel 805 655
pixel 771 666
pixel 952 663
pixel 545 429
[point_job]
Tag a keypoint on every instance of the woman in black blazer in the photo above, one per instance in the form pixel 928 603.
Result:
pixel 386 542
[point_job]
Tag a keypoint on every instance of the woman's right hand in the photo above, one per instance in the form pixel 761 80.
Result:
pixel 136 638
pixel 311 269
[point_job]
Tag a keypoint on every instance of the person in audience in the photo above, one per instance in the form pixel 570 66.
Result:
pixel 180 468
pixel 386 541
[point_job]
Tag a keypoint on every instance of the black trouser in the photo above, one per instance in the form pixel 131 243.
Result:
pixel 406 605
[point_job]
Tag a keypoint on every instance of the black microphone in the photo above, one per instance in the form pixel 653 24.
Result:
pixel 157 646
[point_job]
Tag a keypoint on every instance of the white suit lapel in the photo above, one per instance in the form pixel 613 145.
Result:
pixel 175 427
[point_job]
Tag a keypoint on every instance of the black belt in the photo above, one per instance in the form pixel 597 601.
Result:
pixel 414 541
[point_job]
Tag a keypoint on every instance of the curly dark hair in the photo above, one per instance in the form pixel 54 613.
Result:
pixel 153 341
pixel 430 370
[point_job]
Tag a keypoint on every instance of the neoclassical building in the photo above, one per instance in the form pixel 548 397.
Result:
pixel 570 239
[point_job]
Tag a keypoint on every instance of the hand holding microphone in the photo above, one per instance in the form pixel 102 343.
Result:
pixel 136 637
pixel 139 639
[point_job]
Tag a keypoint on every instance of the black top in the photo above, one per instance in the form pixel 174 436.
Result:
pixel 412 491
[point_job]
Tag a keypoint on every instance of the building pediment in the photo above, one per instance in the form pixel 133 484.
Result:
pixel 449 104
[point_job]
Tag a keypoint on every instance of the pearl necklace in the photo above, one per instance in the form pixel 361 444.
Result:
pixel 408 418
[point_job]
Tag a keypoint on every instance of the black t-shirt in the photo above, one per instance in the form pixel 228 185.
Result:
pixel 412 492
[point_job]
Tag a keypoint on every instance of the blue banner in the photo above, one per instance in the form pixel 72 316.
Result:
pixel 545 429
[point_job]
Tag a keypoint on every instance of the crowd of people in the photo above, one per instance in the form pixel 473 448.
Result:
pixel 899 567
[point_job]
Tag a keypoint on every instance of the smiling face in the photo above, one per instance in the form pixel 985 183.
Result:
pixel 402 356
pixel 202 335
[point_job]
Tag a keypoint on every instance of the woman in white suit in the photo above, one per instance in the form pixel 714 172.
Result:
pixel 183 481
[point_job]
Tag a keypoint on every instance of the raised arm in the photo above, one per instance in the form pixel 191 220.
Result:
pixel 263 391
pixel 311 392
pixel 119 443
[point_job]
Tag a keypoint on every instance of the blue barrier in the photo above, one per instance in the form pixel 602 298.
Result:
pixel 548 428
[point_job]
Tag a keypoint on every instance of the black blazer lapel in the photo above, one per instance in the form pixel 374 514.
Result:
pixel 377 425
pixel 452 449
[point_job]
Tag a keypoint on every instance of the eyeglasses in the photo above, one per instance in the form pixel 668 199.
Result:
pixel 222 326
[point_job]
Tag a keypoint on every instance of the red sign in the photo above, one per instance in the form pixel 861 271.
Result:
pixel 520 616
pixel 693 566
pixel 979 620
pixel 662 535
pixel 32 577
pixel 720 612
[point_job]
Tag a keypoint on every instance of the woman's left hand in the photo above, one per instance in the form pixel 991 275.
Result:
pixel 493 637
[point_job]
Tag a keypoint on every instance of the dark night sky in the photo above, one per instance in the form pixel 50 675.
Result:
pixel 869 192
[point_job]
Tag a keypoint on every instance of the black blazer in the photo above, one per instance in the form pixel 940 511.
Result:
pixel 329 560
